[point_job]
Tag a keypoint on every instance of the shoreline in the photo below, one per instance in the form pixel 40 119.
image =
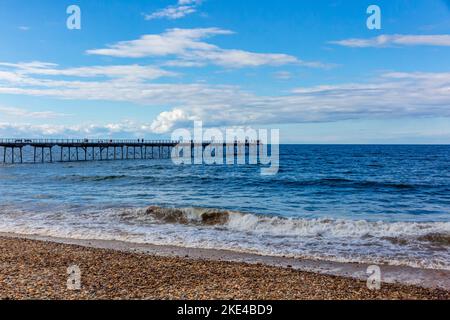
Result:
pixel 429 284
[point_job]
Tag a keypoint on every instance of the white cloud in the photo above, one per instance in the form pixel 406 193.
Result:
pixel 166 120
pixel 283 75
pixel 171 42
pixel 92 131
pixel 187 47
pixel 24 113
pixel 115 71
pixel 391 95
pixel 397 40
pixel 180 10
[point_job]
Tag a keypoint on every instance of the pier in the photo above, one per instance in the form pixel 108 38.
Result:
pixel 69 150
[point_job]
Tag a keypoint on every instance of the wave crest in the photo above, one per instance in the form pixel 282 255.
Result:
pixel 189 215
pixel 398 232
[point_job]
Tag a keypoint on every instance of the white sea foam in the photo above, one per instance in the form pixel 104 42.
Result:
pixel 423 245
pixel 332 227
pixel 324 227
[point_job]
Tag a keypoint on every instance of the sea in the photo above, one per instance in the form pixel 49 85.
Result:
pixel 379 204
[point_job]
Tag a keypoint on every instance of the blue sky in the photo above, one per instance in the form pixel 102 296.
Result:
pixel 310 68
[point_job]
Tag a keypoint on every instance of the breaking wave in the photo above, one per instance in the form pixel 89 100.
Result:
pixel 416 244
pixel 196 216
pixel 399 232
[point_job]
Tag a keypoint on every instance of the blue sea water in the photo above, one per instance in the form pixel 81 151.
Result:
pixel 358 203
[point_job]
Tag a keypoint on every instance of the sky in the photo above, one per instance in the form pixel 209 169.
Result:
pixel 312 69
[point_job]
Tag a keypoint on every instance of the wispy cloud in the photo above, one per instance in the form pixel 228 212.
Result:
pixel 24 113
pixel 180 10
pixel 133 71
pixel 396 40
pixel 393 94
pixel 188 49
pixel 24 28
pixel 283 75
pixel 123 129
pixel 171 42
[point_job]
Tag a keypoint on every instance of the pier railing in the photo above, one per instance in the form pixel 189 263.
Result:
pixel 45 150
pixel 110 141
pixel 97 141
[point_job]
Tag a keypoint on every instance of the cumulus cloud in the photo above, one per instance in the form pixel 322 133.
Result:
pixel 166 120
pixel 397 40
pixel 180 10
pixel 189 49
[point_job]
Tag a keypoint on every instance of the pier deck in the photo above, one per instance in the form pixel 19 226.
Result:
pixel 66 150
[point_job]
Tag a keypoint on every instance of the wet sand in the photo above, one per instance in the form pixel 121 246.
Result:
pixel 36 269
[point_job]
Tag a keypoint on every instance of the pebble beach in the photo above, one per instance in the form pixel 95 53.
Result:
pixel 32 269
